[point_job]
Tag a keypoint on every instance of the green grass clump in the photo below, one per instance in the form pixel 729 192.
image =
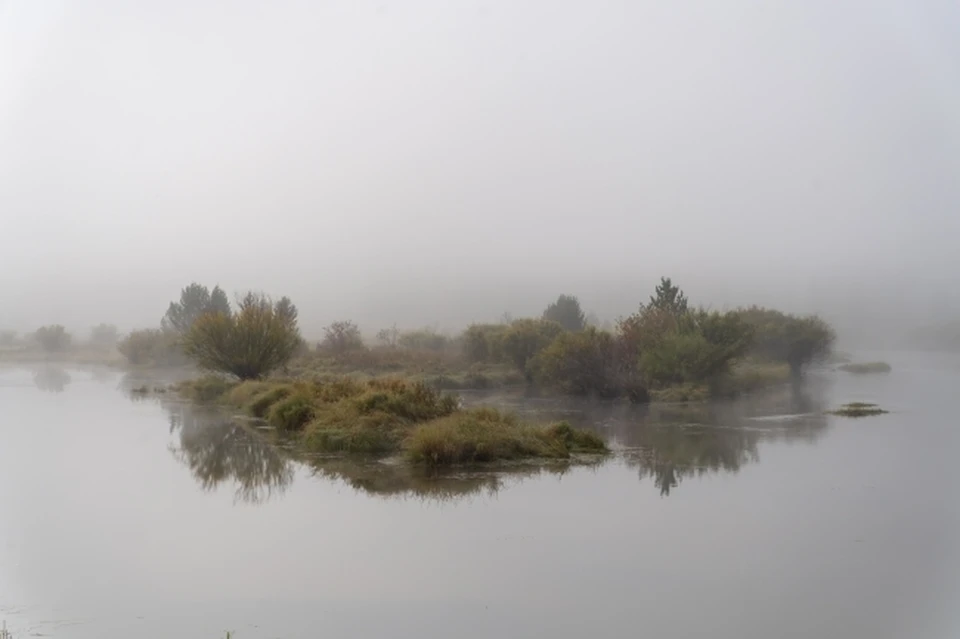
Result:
pixel 245 392
pixel 260 404
pixel 865 368
pixel 292 412
pixel 858 409
pixel 487 435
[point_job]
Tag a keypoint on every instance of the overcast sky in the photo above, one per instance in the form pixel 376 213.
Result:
pixel 442 161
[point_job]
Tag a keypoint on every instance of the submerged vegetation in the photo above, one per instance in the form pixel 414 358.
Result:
pixel 865 368
pixel 858 409
pixel 392 416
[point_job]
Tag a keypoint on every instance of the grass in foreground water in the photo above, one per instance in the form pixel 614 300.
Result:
pixel 345 415
pixel 858 409
pixel 865 368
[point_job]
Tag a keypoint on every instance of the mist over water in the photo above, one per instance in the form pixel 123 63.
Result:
pixel 367 169
pixel 437 163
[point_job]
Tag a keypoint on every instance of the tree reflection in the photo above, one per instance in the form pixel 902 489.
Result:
pixel 51 379
pixel 675 443
pixel 668 443
pixel 217 449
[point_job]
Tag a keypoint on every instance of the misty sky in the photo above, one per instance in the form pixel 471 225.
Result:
pixel 442 161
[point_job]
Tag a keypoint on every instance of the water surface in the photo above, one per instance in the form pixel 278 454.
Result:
pixel 129 516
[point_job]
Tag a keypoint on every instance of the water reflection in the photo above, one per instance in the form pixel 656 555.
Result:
pixel 394 479
pixel 668 443
pixel 51 379
pixel 217 449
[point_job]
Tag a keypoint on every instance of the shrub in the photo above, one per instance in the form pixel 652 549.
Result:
pixel 8 339
pixel 151 347
pixel 527 337
pixel 580 364
pixel 340 338
pixel 249 344
pixel 664 345
pixel 798 341
pixel 104 336
pixel 483 343
pixel 566 312
pixel 53 338
pixel 423 340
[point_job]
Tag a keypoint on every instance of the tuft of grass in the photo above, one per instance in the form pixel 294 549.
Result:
pixel 292 413
pixel 260 404
pixel 246 391
pixel 487 435
pixel 865 368
pixel 858 409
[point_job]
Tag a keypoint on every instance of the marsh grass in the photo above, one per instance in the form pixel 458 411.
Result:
pixel 345 415
pixel 858 409
pixel 486 435
pixel 865 368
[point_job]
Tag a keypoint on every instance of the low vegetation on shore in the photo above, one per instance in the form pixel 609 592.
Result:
pixel 865 368
pixel 667 350
pixel 858 409
pixel 343 415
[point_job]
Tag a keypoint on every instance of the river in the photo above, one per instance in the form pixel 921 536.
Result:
pixel 128 516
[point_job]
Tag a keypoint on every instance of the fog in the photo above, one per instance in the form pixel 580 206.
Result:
pixel 432 162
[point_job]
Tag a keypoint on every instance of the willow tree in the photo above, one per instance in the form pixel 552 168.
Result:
pixel 258 338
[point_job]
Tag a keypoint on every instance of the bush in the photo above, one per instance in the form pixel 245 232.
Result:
pixel 667 346
pixel 580 364
pixel 483 343
pixel 566 312
pixel 798 341
pixel 527 337
pixel 249 344
pixel 53 338
pixel 151 347
pixel 340 338
pixel 104 336
pixel 423 340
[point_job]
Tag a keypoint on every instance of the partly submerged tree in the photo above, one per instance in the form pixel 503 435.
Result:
pixel 798 341
pixel 260 337
pixel 53 338
pixel 567 313
pixel 668 297
pixel 195 300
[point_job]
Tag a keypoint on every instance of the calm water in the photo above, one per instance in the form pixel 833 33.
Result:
pixel 129 517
